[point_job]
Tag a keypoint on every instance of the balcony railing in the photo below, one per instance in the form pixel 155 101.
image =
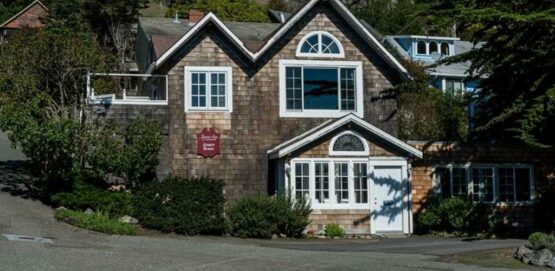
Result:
pixel 132 89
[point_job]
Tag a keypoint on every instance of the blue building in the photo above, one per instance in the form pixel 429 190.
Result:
pixel 428 50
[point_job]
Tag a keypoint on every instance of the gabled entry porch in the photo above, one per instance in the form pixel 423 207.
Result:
pixel 353 174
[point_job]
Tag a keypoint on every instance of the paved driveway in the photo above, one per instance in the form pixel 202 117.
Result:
pixel 77 249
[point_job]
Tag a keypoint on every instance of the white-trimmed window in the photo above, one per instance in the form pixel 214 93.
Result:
pixel 421 47
pixel 445 49
pixel 320 44
pixel 332 183
pixel 349 144
pixel 487 183
pixel 208 89
pixel 320 89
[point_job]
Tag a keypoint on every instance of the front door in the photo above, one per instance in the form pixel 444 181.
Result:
pixel 388 198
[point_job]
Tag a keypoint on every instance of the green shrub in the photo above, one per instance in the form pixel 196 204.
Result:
pixel 453 215
pixel 185 206
pixel 98 221
pixel 540 240
pixel 334 230
pixel 116 204
pixel 261 217
pixel 251 217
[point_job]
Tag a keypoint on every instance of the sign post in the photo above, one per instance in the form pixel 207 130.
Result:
pixel 208 143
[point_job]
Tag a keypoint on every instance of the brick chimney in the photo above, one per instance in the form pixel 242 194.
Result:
pixel 195 16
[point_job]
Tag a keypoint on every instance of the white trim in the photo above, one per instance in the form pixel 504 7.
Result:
pixel 359 85
pixel 23 11
pixel 107 99
pixel 365 152
pixel 278 34
pixel 320 53
pixel 426 37
pixel 296 144
pixel 189 70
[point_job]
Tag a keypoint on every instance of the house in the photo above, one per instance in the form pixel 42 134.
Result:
pixel 430 49
pixel 296 107
pixel 30 17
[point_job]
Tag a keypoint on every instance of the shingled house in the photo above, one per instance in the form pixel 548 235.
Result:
pixel 29 17
pixel 298 106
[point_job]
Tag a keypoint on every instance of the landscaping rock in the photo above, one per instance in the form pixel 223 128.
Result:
pixel 524 254
pixel 542 257
pixel 551 263
pixel 129 220
pixel 61 208
pixel 89 211
pixel 275 236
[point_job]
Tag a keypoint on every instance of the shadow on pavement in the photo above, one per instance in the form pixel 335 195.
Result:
pixel 14 178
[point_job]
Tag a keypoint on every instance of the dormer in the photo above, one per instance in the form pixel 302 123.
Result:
pixel 427 48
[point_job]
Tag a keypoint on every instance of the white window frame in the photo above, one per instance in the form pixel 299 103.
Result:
pixel 470 185
pixel 189 70
pixel 320 53
pixel 285 113
pixel 332 204
pixel 365 152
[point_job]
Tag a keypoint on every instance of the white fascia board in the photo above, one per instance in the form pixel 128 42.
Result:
pixel 369 127
pixel 206 19
pixel 358 26
pixel 425 37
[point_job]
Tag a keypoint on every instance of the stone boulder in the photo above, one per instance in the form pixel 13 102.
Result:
pixel 541 257
pixel 129 220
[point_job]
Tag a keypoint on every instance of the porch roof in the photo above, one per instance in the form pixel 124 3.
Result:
pixel 330 126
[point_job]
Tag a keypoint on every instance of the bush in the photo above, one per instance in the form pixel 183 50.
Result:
pixel 453 215
pixel 131 153
pixel 116 204
pixel 334 230
pixel 540 240
pixel 98 221
pixel 185 206
pixel 261 217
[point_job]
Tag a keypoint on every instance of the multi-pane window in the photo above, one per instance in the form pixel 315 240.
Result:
pixel 454 85
pixel 342 182
pixel 332 183
pixel 302 180
pixel 320 44
pixel 360 178
pixel 493 183
pixel 309 88
pixel 322 182
pixel 482 180
pixel 207 89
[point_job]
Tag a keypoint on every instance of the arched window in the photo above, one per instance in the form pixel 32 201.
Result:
pixel 320 44
pixel 433 47
pixel 421 48
pixel 349 144
pixel 445 48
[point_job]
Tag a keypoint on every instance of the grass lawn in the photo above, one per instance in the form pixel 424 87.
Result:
pixel 95 222
pixel 500 258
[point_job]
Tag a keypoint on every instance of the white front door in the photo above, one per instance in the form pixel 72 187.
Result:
pixel 388 200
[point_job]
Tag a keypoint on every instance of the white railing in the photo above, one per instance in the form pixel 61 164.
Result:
pixel 131 89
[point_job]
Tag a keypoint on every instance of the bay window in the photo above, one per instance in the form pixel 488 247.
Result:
pixel 320 88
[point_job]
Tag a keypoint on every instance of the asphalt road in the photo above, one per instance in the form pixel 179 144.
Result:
pixel 77 249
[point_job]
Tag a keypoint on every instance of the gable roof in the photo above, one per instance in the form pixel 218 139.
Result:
pixel 330 126
pixel 255 55
pixel 36 2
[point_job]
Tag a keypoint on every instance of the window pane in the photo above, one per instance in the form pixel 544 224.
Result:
pixel 443 178
pixel 198 90
pixel 302 180
pixel 361 182
pixel 444 48
pixel 522 182
pixel 310 45
pixel 459 182
pixel 482 179
pixel 320 89
pixel 329 46
pixel 218 87
pixel 506 185
pixel 321 176
pixel 294 88
pixel 421 48
pixel 342 182
pixel 348 89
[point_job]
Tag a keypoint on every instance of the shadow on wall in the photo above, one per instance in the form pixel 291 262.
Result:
pixel 396 192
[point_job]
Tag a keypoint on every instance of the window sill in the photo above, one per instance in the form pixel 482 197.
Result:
pixel 318 114
pixel 364 206
pixel 208 111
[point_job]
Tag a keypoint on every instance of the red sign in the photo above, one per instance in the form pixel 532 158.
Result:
pixel 208 143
